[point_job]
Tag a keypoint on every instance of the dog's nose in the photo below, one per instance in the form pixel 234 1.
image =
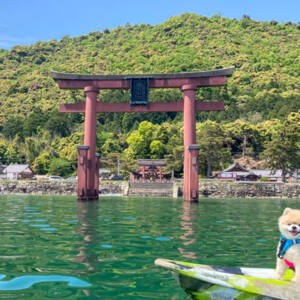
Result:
pixel 294 227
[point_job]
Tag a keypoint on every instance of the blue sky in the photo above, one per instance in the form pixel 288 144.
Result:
pixel 23 22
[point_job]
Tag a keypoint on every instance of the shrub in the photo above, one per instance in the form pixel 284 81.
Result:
pixel 60 167
pixel 264 179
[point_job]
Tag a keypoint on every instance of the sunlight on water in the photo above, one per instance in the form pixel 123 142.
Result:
pixel 54 247
pixel 24 282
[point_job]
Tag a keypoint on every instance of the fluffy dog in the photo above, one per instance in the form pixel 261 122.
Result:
pixel 288 251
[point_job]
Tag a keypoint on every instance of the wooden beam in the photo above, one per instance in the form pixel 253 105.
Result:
pixel 152 107
pixel 72 107
pixel 101 77
pixel 153 83
pixel 209 106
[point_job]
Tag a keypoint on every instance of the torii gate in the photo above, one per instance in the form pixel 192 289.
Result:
pixel 188 82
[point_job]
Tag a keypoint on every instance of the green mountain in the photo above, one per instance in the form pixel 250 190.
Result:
pixel 265 84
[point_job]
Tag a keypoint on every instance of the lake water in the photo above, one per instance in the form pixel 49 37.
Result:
pixel 55 247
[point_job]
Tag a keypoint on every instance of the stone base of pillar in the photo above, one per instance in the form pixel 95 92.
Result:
pixel 83 192
pixel 88 198
pixel 191 182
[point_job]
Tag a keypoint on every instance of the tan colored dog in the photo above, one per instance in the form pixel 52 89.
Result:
pixel 288 252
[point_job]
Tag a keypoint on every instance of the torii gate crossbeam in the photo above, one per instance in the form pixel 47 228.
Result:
pixel 188 82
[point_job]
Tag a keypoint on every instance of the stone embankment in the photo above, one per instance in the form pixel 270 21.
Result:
pixel 38 187
pixel 154 189
pixel 250 190
pixel 57 187
pixel 207 189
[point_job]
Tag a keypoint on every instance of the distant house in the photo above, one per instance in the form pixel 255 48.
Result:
pixel 269 174
pixel 104 173
pixel 240 173
pixel 15 172
pixel 2 167
pixel 237 172
pixel 295 176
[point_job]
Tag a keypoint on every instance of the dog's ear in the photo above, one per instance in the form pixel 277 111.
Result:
pixel 286 211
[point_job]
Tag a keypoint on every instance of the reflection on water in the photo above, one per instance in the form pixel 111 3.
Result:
pixel 87 214
pixel 188 237
pixel 112 244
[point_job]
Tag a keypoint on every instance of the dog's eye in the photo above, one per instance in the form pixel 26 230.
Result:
pixel 289 224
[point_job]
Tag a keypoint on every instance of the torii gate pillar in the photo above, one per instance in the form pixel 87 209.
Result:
pixel 88 178
pixel 190 177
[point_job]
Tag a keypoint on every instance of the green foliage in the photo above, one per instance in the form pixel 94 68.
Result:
pixel 41 164
pixel 58 124
pixel 34 122
pixel 13 126
pixel 139 141
pixel 264 179
pixel 245 138
pixel 3 149
pixel 60 167
pixel 13 154
pixel 111 161
pixel 266 80
pixel 283 150
pixel 260 98
pixel 35 145
pixel 214 146
pixel 157 149
pixel 111 145
pixel 66 148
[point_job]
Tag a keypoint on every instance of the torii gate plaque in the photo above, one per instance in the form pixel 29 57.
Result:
pixel 188 82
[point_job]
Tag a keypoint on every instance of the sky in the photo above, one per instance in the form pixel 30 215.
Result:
pixel 24 22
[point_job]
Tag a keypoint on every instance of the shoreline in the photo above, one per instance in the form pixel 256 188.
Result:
pixel 276 190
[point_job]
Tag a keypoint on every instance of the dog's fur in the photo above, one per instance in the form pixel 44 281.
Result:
pixel 289 226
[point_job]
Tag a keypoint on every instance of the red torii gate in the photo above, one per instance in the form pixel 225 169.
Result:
pixel 188 82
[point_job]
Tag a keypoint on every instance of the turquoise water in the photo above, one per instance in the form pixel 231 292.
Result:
pixel 55 247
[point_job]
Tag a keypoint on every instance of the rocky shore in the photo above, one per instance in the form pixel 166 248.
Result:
pixel 207 189
pixel 250 190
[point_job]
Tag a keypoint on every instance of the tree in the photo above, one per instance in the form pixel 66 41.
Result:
pixel 12 153
pixel 58 124
pixel 245 137
pixel 60 167
pixel 139 141
pixel 3 148
pixel 32 149
pixel 35 145
pixel 112 161
pixel 174 146
pixel 157 149
pixel 282 152
pixel 111 145
pixel 13 126
pixel 175 159
pixel 35 121
pixel 41 164
pixel 66 147
pixel 214 145
pixel 268 128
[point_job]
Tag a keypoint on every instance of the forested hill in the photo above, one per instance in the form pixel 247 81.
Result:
pixel 265 84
